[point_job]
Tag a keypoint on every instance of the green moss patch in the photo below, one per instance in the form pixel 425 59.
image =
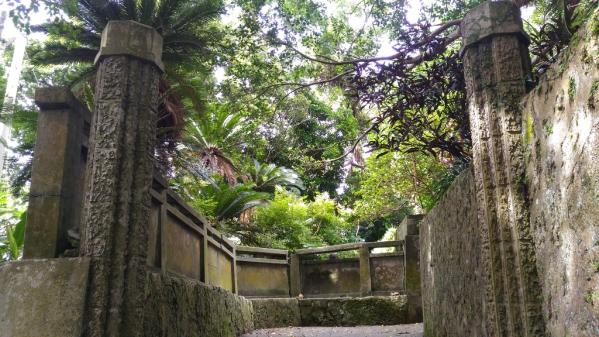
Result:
pixel 375 310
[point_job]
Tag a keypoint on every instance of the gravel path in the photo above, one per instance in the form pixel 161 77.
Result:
pixel 408 330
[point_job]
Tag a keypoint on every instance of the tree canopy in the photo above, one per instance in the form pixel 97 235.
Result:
pixel 292 123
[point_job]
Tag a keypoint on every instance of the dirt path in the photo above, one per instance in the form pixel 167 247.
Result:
pixel 409 330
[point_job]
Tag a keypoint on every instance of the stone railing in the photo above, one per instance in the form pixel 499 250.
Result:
pixel 363 275
pixel 182 242
pixel 310 272
pixel 262 272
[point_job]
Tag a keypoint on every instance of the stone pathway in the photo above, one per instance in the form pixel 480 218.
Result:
pixel 407 330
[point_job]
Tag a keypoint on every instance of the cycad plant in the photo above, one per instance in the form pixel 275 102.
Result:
pixel 233 201
pixel 183 24
pixel 267 176
pixel 209 138
pixel 187 27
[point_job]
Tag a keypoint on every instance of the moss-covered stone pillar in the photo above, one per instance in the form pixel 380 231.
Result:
pixel 57 175
pixel 496 66
pixel 295 276
pixel 412 276
pixel 365 280
pixel 119 176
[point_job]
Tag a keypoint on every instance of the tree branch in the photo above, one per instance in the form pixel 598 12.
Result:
pixel 412 60
pixel 353 147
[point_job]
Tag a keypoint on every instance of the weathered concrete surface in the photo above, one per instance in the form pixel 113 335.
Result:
pixel 43 298
pixel 335 277
pixel 410 330
pixel 496 65
pixel 451 264
pixel 560 137
pixel 561 133
pixel 119 176
pixel 408 226
pixel 387 273
pixel 177 306
pixel 276 313
pixel 263 280
pixel 57 175
pixel 343 311
pixel 135 39
pixel 413 288
pixel 220 268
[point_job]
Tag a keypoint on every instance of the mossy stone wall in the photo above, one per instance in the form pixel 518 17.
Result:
pixel 562 158
pixel 559 136
pixel 276 313
pixel 177 306
pixel 346 311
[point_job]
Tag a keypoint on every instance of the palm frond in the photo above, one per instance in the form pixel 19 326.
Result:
pixel 164 14
pixel 267 176
pixel 73 33
pixel 146 11
pixel 234 200
pixel 56 53
pixel 198 12
pixel 97 13
pixel 130 9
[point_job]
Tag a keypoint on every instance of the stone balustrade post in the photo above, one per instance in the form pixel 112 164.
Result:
pixel 119 176
pixel 57 174
pixel 496 66
pixel 409 233
pixel 295 276
pixel 365 279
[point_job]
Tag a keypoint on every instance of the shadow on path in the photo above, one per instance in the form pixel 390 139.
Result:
pixel 407 330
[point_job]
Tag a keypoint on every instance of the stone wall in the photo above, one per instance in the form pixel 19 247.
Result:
pixel 263 280
pixel 43 297
pixel 345 311
pixel 276 313
pixel 334 311
pixel 453 292
pixel 561 119
pixel 177 306
pixel 387 272
pixel 560 134
pixel 331 277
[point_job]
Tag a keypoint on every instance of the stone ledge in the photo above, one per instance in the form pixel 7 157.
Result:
pixel 178 306
pixel 43 298
pixel 276 313
pixel 133 39
pixel 491 18
pixel 347 311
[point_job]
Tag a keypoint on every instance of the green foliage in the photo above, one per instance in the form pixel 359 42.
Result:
pixel 208 139
pixel 308 135
pixel 3 81
pixel 267 177
pixel 291 222
pixel 12 226
pixel 231 201
pixel 590 297
pixel 393 185
pixel 185 26
pixel 262 123
pixel 392 181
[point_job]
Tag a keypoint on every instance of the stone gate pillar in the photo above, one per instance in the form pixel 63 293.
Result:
pixel 119 175
pixel 57 174
pixel 496 65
